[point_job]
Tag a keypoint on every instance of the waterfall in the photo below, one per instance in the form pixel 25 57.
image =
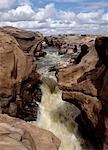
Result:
pixel 56 115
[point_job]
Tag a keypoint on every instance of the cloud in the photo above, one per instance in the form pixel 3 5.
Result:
pixel 95 5
pixel 105 18
pixel 67 15
pixel 21 13
pixel 50 20
pixel 6 4
pixel 44 13
pixel 90 17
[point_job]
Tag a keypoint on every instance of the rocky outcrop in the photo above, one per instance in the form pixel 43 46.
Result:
pixel 85 86
pixel 84 51
pixel 102 45
pixel 54 41
pixel 70 43
pixel 63 49
pixel 18 135
pixel 19 81
pixel 57 42
pixel 20 92
pixel 29 42
pixel 69 75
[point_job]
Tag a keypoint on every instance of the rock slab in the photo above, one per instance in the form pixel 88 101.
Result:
pixel 16 134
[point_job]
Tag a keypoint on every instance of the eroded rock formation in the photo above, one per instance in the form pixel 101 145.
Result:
pixel 18 80
pixel 16 134
pixel 20 91
pixel 54 41
pixel 57 42
pixel 29 42
pixel 85 85
pixel 70 43
pixel 84 51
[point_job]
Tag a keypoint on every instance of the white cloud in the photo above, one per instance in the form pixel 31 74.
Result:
pixel 50 20
pixel 105 18
pixel 44 13
pixel 67 15
pixel 89 17
pixel 6 4
pixel 21 13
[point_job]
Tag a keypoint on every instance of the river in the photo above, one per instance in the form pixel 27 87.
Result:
pixel 56 115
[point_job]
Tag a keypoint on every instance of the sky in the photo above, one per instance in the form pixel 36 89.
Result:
pixel 56 16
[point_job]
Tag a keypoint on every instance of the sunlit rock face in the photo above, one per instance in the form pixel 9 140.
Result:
pixel 69 75
pixel 14 65
pixel 17 80
pixel 19 135
pixel 19 93
pixel 29 42
pixel 85 85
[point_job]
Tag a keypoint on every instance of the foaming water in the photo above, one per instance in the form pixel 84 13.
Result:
pixel 51 59
pixel 56 115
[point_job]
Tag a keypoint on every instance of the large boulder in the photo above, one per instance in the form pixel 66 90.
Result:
pixel 71 43
pixel 85 86
pixel 14 65
pixel 101 45
pixel 69 75
pixel 54 41
pixel 16 134
pixel 28 41
pixel 18 79
pixel 84 51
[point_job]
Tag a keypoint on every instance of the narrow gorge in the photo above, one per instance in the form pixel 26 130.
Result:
pixel 55 115
pixel 53 91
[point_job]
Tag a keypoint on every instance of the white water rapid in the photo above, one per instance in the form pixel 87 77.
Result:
pixel 56 115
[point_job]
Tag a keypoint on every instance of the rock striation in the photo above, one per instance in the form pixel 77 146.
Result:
pixel 16 134
pixel 85 86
